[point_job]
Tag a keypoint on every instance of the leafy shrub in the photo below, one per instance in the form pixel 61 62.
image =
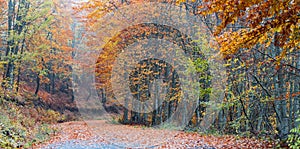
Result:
pixel 48 116
pixel 18 129
pixel 294 137
pixel 12 134
pixel 114 120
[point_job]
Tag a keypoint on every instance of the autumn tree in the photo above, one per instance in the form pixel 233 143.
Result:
pixel 38 43
pixel 259 22
pixel 260 41
pixel 143 75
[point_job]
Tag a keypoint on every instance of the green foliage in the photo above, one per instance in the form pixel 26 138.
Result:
pixel 169 126
pixel 12 134
pixel 43 132
pixel 294 137
pixel 115 120
pixel 18 130
pixel 211 131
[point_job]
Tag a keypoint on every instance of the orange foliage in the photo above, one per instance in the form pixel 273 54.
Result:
pixel 261 21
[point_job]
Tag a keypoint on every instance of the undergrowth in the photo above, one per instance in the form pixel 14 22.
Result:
pixel 23 126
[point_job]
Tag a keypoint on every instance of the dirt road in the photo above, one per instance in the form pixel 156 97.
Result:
pixel 103 134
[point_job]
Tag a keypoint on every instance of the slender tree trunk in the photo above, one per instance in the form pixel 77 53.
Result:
pixel 37 84
pixel 8 75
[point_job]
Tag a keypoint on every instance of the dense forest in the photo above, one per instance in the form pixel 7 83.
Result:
pixel 58 63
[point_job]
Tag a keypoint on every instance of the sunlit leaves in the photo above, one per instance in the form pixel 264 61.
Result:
pixel 261 21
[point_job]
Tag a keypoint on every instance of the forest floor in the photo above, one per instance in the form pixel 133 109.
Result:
pixel 104 134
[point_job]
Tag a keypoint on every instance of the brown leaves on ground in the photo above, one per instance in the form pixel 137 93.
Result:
pixel 195 140
pixel 105 132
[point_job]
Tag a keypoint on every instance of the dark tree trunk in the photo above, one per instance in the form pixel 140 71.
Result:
pixel 37 84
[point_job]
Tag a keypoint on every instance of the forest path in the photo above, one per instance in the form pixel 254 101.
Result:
pixel 103 134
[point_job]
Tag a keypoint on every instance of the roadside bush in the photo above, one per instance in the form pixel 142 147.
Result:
pixel 18 129
pixel 294 137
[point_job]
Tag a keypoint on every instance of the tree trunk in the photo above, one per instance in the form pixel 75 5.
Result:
pixel 37 84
